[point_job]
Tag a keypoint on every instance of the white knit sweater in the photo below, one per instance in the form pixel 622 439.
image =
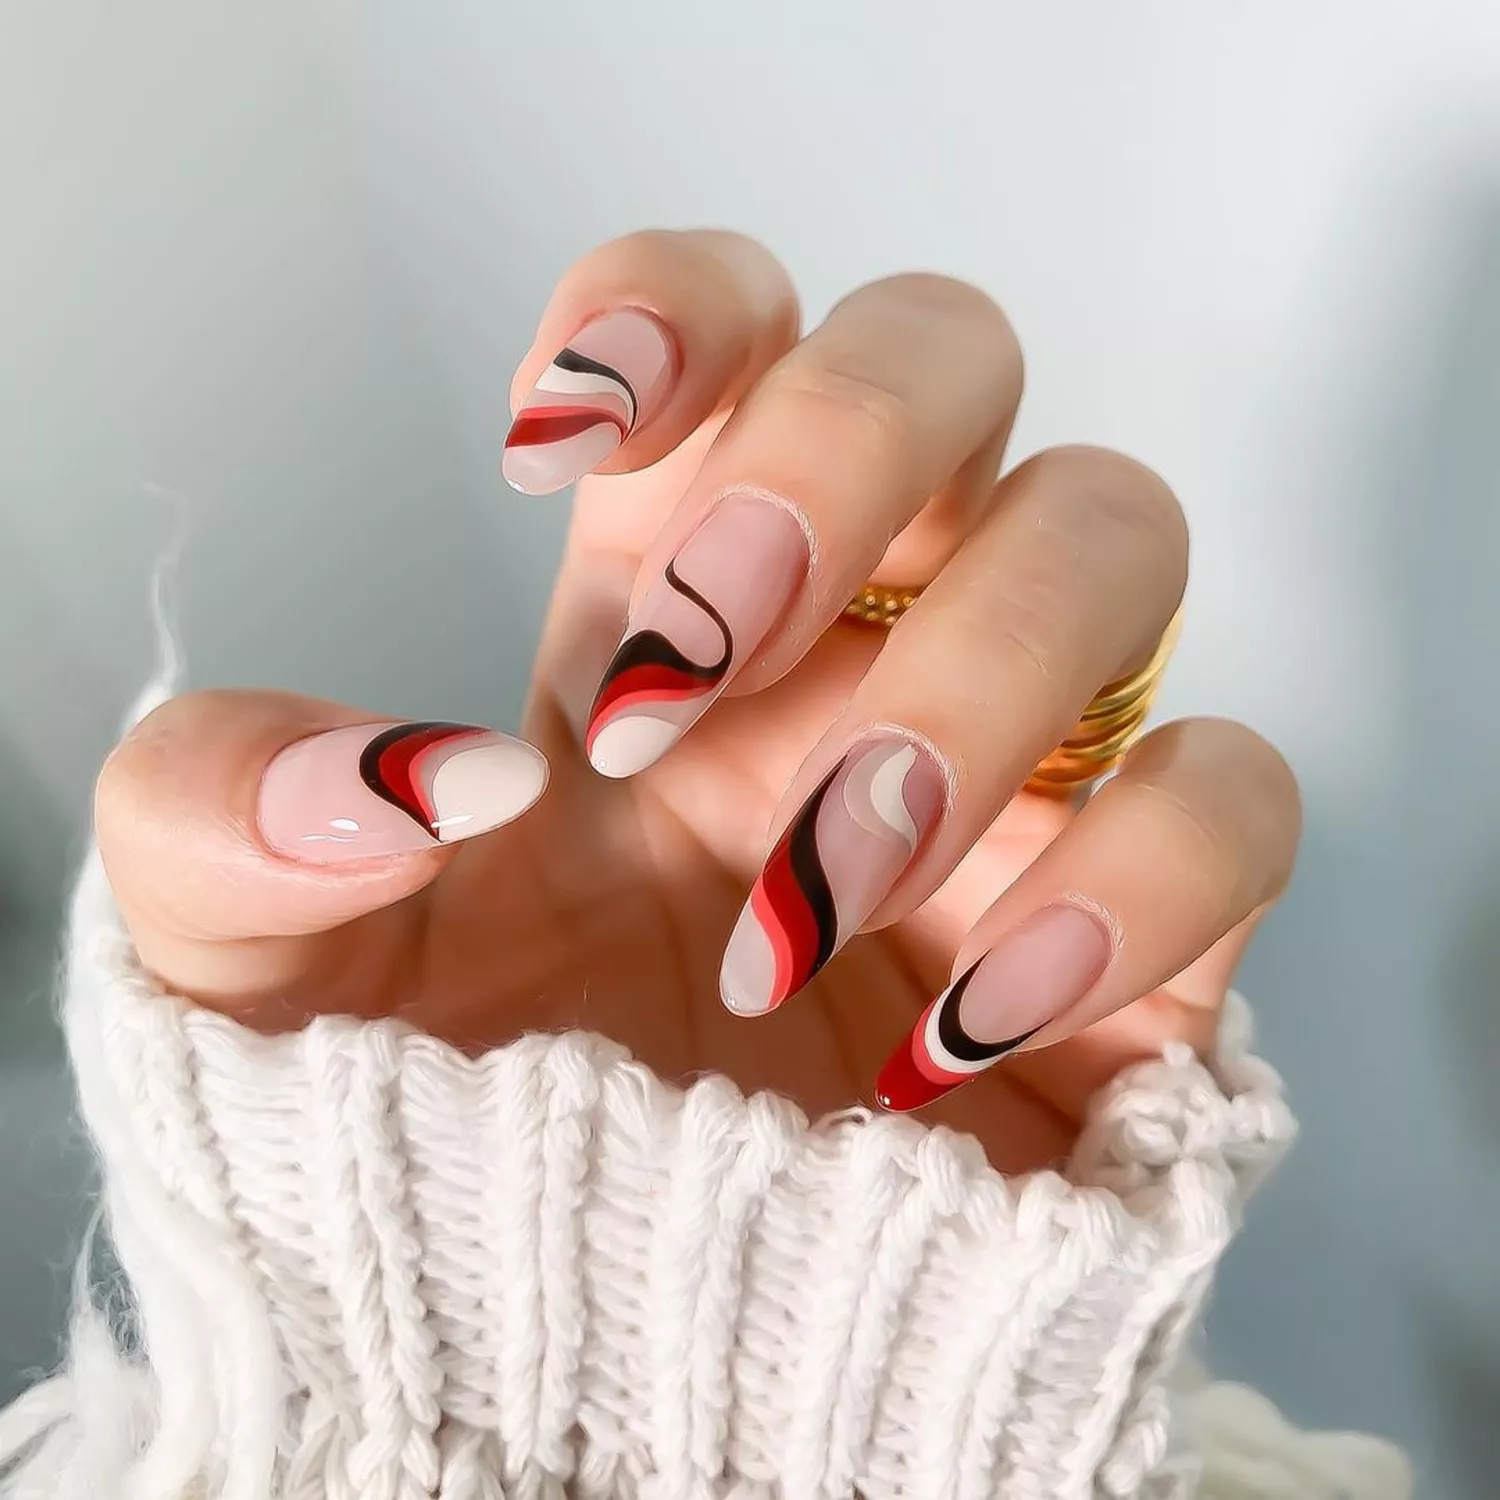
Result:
pixel 363 1266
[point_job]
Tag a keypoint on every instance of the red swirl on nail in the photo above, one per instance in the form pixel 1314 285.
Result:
pixel 647 668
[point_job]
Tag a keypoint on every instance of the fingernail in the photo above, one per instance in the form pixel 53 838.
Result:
pixel 394 788
pixel 1035 972
pixel 837 861
pixel 612 377
pixel 728 584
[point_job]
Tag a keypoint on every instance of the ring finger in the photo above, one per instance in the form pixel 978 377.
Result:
pixel 1067 585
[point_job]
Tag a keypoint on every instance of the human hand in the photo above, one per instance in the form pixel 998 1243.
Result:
pixel 277 857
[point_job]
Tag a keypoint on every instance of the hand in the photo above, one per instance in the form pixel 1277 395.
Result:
pixel 276 856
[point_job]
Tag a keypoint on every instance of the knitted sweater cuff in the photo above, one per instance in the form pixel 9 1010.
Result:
pixel 365 1264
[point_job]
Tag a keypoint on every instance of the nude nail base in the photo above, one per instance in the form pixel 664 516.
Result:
pixel 840 857
pixel 612 376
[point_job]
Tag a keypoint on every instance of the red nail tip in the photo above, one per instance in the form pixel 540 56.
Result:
pixel 902 1087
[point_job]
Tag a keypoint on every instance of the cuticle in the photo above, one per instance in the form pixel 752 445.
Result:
pixel 664 325
pixel 773 497
pixel 1100 913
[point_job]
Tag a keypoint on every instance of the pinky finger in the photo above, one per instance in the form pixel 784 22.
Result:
pixel 1197 831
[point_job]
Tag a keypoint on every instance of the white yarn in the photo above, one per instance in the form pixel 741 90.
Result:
pixel 368 1267
pixel 1251 1452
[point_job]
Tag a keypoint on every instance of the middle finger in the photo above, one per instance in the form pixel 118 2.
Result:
pixel 832 454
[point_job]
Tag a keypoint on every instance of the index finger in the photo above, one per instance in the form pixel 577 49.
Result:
pixel 644 339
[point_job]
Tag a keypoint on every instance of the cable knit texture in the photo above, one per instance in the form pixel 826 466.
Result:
pixel 363 1266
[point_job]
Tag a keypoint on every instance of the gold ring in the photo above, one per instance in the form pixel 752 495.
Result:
pixel 1110 725
pixel 879 604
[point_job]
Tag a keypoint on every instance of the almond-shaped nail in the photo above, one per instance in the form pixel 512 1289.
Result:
pixel 376 789
pixel 613 375
pixel 1037 970
pixel 713 605
pixel 838 859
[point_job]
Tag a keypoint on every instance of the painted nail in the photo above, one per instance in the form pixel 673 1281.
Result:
pixel 838 859
pixel 394 788
pixel 594 394
pixel 1035 972
pixel 728 584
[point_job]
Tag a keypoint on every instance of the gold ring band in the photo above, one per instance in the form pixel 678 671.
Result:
pixel 876 604
pixel 1108 727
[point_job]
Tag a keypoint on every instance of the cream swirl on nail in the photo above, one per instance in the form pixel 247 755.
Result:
pixel 375 789
pixel 612 375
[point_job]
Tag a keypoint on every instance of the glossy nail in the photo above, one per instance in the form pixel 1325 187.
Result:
pixel 613 376
pixel 714 603
pixel 394 788
pixel 1036 971
pixel 838 859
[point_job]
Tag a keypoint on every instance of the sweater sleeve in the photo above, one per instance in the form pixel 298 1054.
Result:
pixel 363 1264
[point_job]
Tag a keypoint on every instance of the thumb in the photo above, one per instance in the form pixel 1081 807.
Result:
pixel 265 847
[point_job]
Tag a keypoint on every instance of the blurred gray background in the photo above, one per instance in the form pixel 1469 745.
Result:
pixel 265 270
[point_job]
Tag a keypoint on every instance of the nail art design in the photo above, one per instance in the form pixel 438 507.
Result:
pixel 1036 971
pixel 649 671
pixel 395 788
pixel 601 397
pixel 939 1055
pixel 713 602
pixel 838 859
pixel 587 402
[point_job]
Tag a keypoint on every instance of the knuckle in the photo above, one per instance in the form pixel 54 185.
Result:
pixel 632 258
pixel 928 305
pixel 720 267
pixel 1231 792
pixel 648 241
pixel 1037 607
pixel 865 411
pixel 1114 493
pixel 1264 780
pixel 742 253
pixel 932 293
pixel 142 771
pixel 128 770
pixel 743 271
pixel 1206 844
pixel 1026 638
pixel 1268 794
pixel 113 793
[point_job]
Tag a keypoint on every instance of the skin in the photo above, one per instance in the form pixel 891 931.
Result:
pixel 608 904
